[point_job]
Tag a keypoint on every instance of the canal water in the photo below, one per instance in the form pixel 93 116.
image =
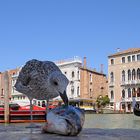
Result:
pixel 112 121
pixel 96 127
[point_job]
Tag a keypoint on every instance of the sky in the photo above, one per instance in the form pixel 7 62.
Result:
pixel 60 29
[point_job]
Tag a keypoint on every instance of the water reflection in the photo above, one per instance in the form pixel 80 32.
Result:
pixel 112 121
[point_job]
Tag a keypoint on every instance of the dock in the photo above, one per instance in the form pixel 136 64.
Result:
pixel 20 133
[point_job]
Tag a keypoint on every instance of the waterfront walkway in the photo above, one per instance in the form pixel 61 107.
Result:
pixel 13 132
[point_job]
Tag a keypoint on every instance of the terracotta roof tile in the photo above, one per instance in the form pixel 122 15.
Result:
pixel 128 51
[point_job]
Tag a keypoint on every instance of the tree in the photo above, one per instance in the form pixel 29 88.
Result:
pixel 102 101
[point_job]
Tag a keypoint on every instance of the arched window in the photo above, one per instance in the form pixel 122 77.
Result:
pixel 138 92
pixel 78 75
pixel 112 61
pixel 90 93
pixel 138 74
pixel 133 74
pixel 78 93
pixel 123 93
pixel 123 75
pixel 72 90
pixel 112 94
pixel 133 92
pixel 90 77
pixel 111 77
pixel 129 75
pixel 2 92
pixel 129 58
pixel 129 93
pixel 123 59
pixel 72 74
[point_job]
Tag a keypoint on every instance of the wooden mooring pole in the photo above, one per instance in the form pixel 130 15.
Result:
pixel 6 97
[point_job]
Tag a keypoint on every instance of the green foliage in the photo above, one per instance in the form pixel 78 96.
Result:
pixel 102 101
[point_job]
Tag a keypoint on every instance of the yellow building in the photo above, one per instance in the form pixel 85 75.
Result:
pixel 124 78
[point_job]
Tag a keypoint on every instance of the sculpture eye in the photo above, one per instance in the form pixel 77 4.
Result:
pixel 55 83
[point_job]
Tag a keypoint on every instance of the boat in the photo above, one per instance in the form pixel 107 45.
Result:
pixel 136 110
pixel 108 110
pixel 22 113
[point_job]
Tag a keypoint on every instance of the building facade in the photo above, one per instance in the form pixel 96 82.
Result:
pixel 84 83
pixel 93 83
pixel 124 78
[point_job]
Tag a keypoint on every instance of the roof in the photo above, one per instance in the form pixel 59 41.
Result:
pixel 92 71
pixel 128 51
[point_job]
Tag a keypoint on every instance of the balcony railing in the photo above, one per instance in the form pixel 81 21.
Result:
pixel 111 84
pixel 132 82
pixel 129 99
pixel 111 100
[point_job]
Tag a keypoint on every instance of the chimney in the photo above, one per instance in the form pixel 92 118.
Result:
pixel 102 67
pixel 85 63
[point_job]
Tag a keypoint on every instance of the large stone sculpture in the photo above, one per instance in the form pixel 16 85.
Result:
pixel 42 80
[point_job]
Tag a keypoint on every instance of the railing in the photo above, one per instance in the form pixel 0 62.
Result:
pixel 15 76
pixel 111 84
pixel 129 99
pixel 111 100
pixel 131 82
pixel 74 59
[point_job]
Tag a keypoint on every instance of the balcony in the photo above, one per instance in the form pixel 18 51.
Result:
pixel 15 76
pixel 137 98
pixel 111 100
pixel 111 84
pixel 129 99
pixel 132 82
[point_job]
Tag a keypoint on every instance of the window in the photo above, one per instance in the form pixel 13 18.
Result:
pixel 13 89
pixel 138 74
pixel 123 93
pixel 123 59
pixel 72 90
pixel 129 58
pixel 129 75
pixel 112 61
pixel 2 92
pixel 138 92
pixel 72 74
pixel 78 93
pixel 129 107
pixel 78 75
pixel 90 93
pixel 123 75
pixel 123 106
pixel 90 77
pixel 133 58
pixel 134 92
pixel 138 57
pixel 112 94
pixel 111 77
pixel 129 93
pixel 65 72
pixel 133 74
